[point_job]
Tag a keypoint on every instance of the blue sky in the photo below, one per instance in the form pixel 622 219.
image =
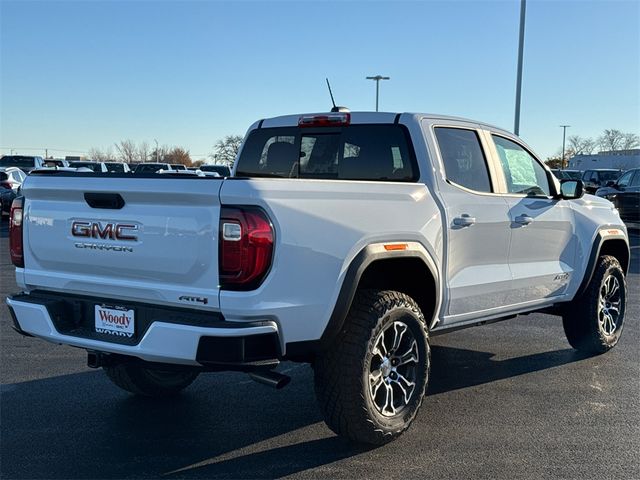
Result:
pixel 75 75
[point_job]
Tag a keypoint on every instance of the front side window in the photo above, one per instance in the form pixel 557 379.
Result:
pixel 523 173
pixel 464 161
pixel 636 179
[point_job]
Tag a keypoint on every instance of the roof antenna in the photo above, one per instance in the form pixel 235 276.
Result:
pixel 335 108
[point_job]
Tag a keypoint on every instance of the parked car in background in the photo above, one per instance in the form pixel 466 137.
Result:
pixel 222 170
pixel 56 163
pixel 596 178
pixel 178 166
pixel 151 167
pixel 117 167
pixel 567 174
pixel 94 166
pixel 624 193
pixel 11 179
pixel 26 163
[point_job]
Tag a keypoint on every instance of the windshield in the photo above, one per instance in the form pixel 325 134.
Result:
pixel 220 169
pixel 151 167
pixel 355 152
pixel 53 163
pixel 17 161
pixel 90 165
pixel 115 167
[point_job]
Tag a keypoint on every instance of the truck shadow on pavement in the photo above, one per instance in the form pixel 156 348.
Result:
pixel 79 425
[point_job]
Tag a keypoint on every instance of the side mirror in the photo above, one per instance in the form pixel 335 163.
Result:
pixel 571 189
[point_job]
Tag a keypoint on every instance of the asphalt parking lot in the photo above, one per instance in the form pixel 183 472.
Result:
pixel 509 400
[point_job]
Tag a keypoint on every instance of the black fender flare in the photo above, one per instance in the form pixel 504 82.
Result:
pixel 603 235
pixel 358 266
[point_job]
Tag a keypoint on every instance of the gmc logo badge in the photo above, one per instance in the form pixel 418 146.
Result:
pixel 111 231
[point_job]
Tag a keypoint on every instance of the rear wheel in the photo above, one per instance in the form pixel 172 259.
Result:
pixel 371 383
pixel 149 382
pixel 593 322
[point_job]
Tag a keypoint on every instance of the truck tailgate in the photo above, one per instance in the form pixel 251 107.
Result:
pixel 160 246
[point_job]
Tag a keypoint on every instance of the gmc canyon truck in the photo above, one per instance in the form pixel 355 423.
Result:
pixel 345 240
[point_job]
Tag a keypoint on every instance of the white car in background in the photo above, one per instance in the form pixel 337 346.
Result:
pixel 11 179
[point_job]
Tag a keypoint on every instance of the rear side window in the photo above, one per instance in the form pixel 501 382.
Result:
pixel 636 179
pixel 464 161
pixel 355 152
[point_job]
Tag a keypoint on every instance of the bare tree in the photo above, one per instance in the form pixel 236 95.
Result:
pixel 576 143
pixel 144 152
pixel 159 154
pixel 630 141
pixel 611 140
pixel 554 162
pixel 225 150
pixel 588 146
pixel 127 151
pixel 101 155
pixel 178 155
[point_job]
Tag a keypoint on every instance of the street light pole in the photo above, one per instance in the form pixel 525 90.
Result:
pixel 156 149
pixel 564 135
pixel 516 123
pixel 377 79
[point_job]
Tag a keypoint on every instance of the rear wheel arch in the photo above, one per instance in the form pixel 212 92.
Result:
pixel 411 271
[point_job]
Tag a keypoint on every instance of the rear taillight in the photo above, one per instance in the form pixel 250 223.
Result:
pixel 245 247
pixel 15 233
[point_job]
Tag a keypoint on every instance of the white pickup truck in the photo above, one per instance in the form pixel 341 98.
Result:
pixel 343 239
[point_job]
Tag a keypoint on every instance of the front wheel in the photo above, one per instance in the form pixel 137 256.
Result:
pixel 149 382
pixel 593 322
pixel 371 382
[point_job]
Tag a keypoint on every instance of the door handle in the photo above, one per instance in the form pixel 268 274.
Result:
pixel 464 220
pixel 524 219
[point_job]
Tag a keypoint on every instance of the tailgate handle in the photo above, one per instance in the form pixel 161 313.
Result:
pixel 111 201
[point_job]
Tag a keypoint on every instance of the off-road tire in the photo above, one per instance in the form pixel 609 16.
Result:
pixel 149 383
pixel 342 373
pixel 581 318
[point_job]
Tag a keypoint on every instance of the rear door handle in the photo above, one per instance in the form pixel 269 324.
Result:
pixel 524 219
pixel 464 220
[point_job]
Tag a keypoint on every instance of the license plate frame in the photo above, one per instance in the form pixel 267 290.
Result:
pixel 115 320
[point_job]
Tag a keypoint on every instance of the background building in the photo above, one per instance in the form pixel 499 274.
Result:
pixel 619 159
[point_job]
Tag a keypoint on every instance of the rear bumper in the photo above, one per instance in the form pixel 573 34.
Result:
pixel 220 345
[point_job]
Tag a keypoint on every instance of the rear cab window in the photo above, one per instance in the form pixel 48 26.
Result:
pixel 17 161
pixel 374 152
